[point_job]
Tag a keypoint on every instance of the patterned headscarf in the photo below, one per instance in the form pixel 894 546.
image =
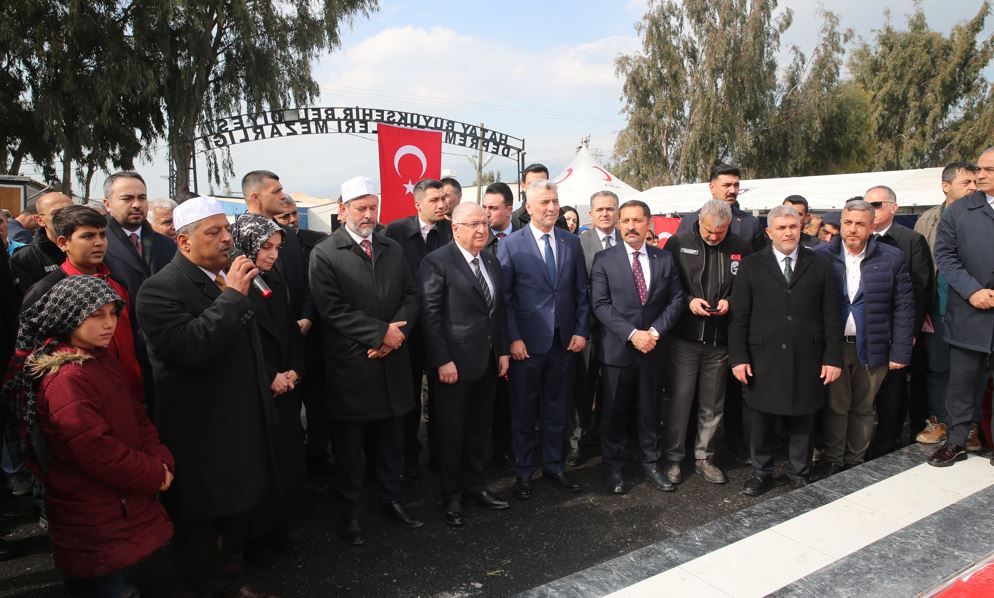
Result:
pixel 251 231
pixel 41 327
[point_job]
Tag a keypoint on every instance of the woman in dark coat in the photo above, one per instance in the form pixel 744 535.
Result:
pixel 91 445
pixel 282 347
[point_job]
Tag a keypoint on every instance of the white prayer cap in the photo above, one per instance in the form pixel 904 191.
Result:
pixel 360 186
pixel 196 209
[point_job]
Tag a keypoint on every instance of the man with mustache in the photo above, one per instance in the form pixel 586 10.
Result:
pixel 637 297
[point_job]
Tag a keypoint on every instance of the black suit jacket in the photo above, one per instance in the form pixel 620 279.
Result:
pixel 356 299
pixel 125 263
pixel 492 239
pixel 617 307
pixel 785 331
pixel 213 406
pixel 456 322
pixel 292 267
pixel 918 259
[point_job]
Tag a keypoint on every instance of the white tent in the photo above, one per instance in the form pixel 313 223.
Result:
pixel 914 188
pixel 584 177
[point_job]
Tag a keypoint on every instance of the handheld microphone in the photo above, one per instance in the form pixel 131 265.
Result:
pixel 259 284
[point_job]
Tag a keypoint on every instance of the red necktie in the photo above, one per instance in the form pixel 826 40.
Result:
pixel 501 235
pixel 367 247
pixel 137 243
pixel 639 277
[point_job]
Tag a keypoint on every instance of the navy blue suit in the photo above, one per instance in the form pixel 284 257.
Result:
pixel 630 376
pixel 545 316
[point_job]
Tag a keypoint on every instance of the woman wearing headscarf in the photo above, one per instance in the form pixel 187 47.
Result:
pixel 93 450
pixel 260 239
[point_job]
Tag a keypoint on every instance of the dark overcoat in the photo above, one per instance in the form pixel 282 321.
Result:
pixel 785 331
pixel 282 350
pixel 213 404
pixel 356 299
pixel 965 257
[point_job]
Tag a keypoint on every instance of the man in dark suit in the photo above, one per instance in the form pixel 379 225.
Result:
pixel 419 235
pixel 892 404
pixel 367 302
pixel 548 318
pixel 134 250
pixel 214 405
pixel 602 235
pixel 532 173
pixel 785 344
pixel 800 203
pixel 637 297
pixel 966 262
pixel 498 201
pixel 463 322
pixel 725 184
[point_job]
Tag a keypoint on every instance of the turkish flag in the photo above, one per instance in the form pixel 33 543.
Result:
pixel 665 228
pixel 406 157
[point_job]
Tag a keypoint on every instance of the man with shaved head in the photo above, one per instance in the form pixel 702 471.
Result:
pixel 42 255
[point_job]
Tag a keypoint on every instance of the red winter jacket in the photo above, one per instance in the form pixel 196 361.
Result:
pixel 105 468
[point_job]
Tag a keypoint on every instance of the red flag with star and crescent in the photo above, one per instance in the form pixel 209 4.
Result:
pixel 406 157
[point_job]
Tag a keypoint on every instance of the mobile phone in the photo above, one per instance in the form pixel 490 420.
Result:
pixel 711 309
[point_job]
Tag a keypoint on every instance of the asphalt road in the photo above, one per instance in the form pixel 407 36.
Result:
pixel 494 554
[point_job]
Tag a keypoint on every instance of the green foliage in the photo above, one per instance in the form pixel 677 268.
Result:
pixel 696 94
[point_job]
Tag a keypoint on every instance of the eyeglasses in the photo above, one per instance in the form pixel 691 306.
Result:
pixel 878 204
pixel 476 224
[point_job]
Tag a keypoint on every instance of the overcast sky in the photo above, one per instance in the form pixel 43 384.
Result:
pixel 540 71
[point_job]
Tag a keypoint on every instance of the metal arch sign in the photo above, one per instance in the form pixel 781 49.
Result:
pixel 274 124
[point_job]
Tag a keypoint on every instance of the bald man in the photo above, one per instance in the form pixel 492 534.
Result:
pixel 32 263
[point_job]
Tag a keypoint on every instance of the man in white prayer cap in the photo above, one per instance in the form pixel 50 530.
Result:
pixel 367 302
pixel 213 402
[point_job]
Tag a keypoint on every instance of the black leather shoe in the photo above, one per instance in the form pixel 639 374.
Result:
pixel 488 500
pixel 615 483
pixel 796 483
pixel 410 471
pixel 522 488
pixel 659 480
pixel 352 533
pixel 573 457
pixel 834 468
pixel 756 485
pixel 560 479
pixel 946 455
pixel 396 510
pixel 452 513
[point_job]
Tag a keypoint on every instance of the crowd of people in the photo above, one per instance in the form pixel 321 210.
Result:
pixel 177 378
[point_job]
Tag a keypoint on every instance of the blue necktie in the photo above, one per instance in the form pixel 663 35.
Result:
pixel 550 260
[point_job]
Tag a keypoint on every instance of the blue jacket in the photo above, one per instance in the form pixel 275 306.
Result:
pixel 536 307
pixel 884 305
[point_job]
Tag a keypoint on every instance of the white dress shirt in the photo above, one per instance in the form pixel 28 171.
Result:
pixel 884 231
pixel 601 236
pixel 781 256
pixel 359 238
pixel 990 199
pixel 537 232
pixel 483 267
pixel 425 227
pixel 853 276
pixel 213 275
pixel 644 261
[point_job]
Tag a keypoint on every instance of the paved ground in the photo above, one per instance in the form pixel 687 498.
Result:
pixel 494 554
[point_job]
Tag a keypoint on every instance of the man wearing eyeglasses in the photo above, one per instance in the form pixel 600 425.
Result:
pixel 892 399
pixel 963 254
pixel 463 324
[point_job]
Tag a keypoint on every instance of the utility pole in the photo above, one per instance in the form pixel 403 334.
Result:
pixel 479 165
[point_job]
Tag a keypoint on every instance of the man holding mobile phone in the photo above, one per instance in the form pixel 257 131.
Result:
pixel 708 260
